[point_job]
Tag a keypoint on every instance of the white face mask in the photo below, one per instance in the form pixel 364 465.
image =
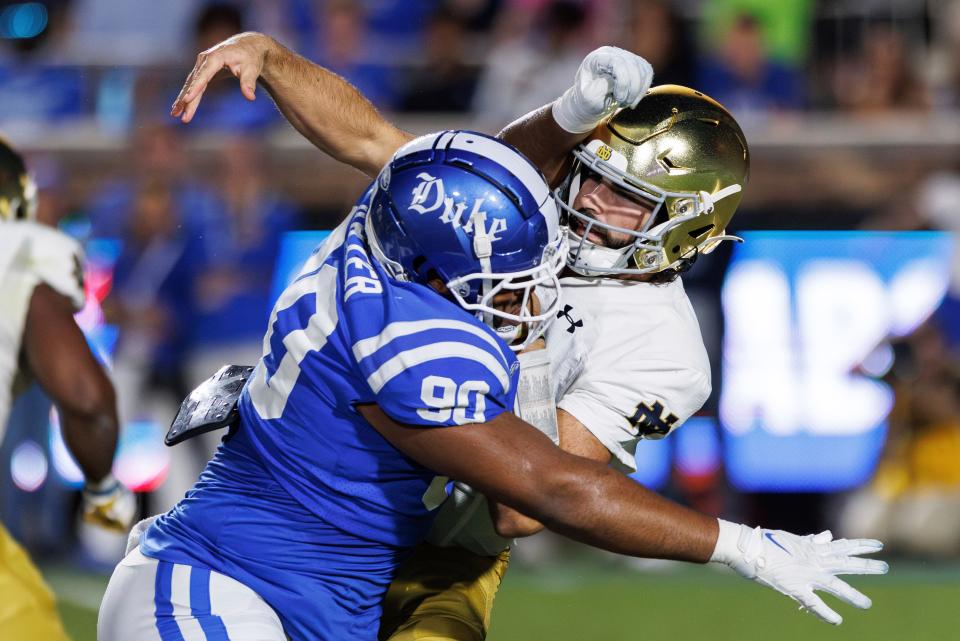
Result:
pixel 526 326
pixel 589 259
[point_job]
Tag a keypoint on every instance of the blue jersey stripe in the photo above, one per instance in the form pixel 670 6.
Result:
pixel 166 623
pixel 433 352
pixel 370 346
pixel 211 624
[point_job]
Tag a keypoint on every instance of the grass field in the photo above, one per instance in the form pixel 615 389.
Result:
pixel 584 602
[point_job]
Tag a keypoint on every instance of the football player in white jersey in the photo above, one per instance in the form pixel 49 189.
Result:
pixel 640 213
pixel 41 286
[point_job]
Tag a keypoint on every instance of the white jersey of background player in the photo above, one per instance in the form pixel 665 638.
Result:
pixel 41 286
pixel 30 255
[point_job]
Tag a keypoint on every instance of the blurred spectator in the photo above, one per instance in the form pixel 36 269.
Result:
pixel 742 75
pixel 785 25
pixel 236 247
pixel 522 74
pixel 443 81
pixel 475 15
pixel 150 300
pixel 880 78
pixel 943 70
pixel 156 155
pixel 224 108
pixel 343 44
pixel 657 33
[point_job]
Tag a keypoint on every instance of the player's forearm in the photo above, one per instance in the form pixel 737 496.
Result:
pixel 92 439
pixel 59 358
pixel 329 111
pixel 596 505
pixel 543 141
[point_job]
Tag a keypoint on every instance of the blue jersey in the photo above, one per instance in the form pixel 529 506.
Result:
pixel 307 503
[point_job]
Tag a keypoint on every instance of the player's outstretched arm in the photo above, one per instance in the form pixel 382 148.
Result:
pixel 512 462
pixel 608 79
pixel 322 106
pixel 60 359
pixel 575 439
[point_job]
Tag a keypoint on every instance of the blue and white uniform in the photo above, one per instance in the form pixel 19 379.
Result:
pixel 307 505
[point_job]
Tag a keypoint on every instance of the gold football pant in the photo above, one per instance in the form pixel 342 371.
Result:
pixel 27 608
pixel 442 594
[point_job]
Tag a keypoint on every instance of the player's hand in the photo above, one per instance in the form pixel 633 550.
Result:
pixel 608 78
pixel 798 565
pixel 110 505
pixel 242 55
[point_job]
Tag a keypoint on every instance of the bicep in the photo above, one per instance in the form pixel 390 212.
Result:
pixel 503 458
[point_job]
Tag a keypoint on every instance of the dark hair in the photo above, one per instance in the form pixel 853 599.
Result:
pixel 217 13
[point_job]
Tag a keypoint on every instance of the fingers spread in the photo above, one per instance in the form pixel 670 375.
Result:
pixel 855 546
pixel 855 565
pixel 843 591
pixel 812 603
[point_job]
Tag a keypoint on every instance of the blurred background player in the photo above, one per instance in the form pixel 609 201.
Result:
pixel 41 285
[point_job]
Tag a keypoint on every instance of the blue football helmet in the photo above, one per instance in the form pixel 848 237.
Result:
pixel 473 211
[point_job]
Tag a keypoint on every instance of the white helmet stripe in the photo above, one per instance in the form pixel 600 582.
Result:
pixel 513 162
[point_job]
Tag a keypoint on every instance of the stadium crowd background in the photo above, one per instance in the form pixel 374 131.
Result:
pixel 850 109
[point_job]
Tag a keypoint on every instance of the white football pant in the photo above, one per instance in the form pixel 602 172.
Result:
pixel 151 600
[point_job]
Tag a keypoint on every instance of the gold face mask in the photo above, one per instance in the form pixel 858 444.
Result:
pixel 678 150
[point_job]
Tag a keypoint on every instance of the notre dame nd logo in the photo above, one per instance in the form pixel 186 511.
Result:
pixel 604 152
pixel 652 421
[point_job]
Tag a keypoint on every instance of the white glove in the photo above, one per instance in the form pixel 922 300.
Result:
pixel 608 78
pixel 109 505
pixel 798 565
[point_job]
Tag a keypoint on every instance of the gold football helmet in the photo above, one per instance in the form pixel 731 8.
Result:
pixel 681 153
pixel 18 193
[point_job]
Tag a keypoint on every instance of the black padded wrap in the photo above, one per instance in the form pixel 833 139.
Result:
pixel 212 406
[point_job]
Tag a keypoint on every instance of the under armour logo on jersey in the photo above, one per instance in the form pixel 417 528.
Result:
pixel 430 196
pixel 653 421
pixel 565 313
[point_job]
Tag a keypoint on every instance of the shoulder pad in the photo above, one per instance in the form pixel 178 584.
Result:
pixel 57 260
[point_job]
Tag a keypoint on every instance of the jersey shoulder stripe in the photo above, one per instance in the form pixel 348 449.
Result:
pixel 434 352
pixel 404 344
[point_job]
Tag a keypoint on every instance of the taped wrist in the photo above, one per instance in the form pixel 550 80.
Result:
pixel 570 112
pixel 727 549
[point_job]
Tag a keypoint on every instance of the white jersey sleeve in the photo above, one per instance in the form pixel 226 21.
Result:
pixel 30 254
pixel 634 365
pixel 57 260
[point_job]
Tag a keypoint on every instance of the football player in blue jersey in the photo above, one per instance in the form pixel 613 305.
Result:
pixel 446 593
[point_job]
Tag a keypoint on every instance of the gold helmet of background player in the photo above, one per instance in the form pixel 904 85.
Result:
pixel 18 193
pixel 681 153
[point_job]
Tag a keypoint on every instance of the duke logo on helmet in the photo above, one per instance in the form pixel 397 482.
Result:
pixel 475 213
pixel 429 196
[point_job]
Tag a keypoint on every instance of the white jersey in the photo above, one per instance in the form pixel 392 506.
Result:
pixel 627 361
pixel 30 254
